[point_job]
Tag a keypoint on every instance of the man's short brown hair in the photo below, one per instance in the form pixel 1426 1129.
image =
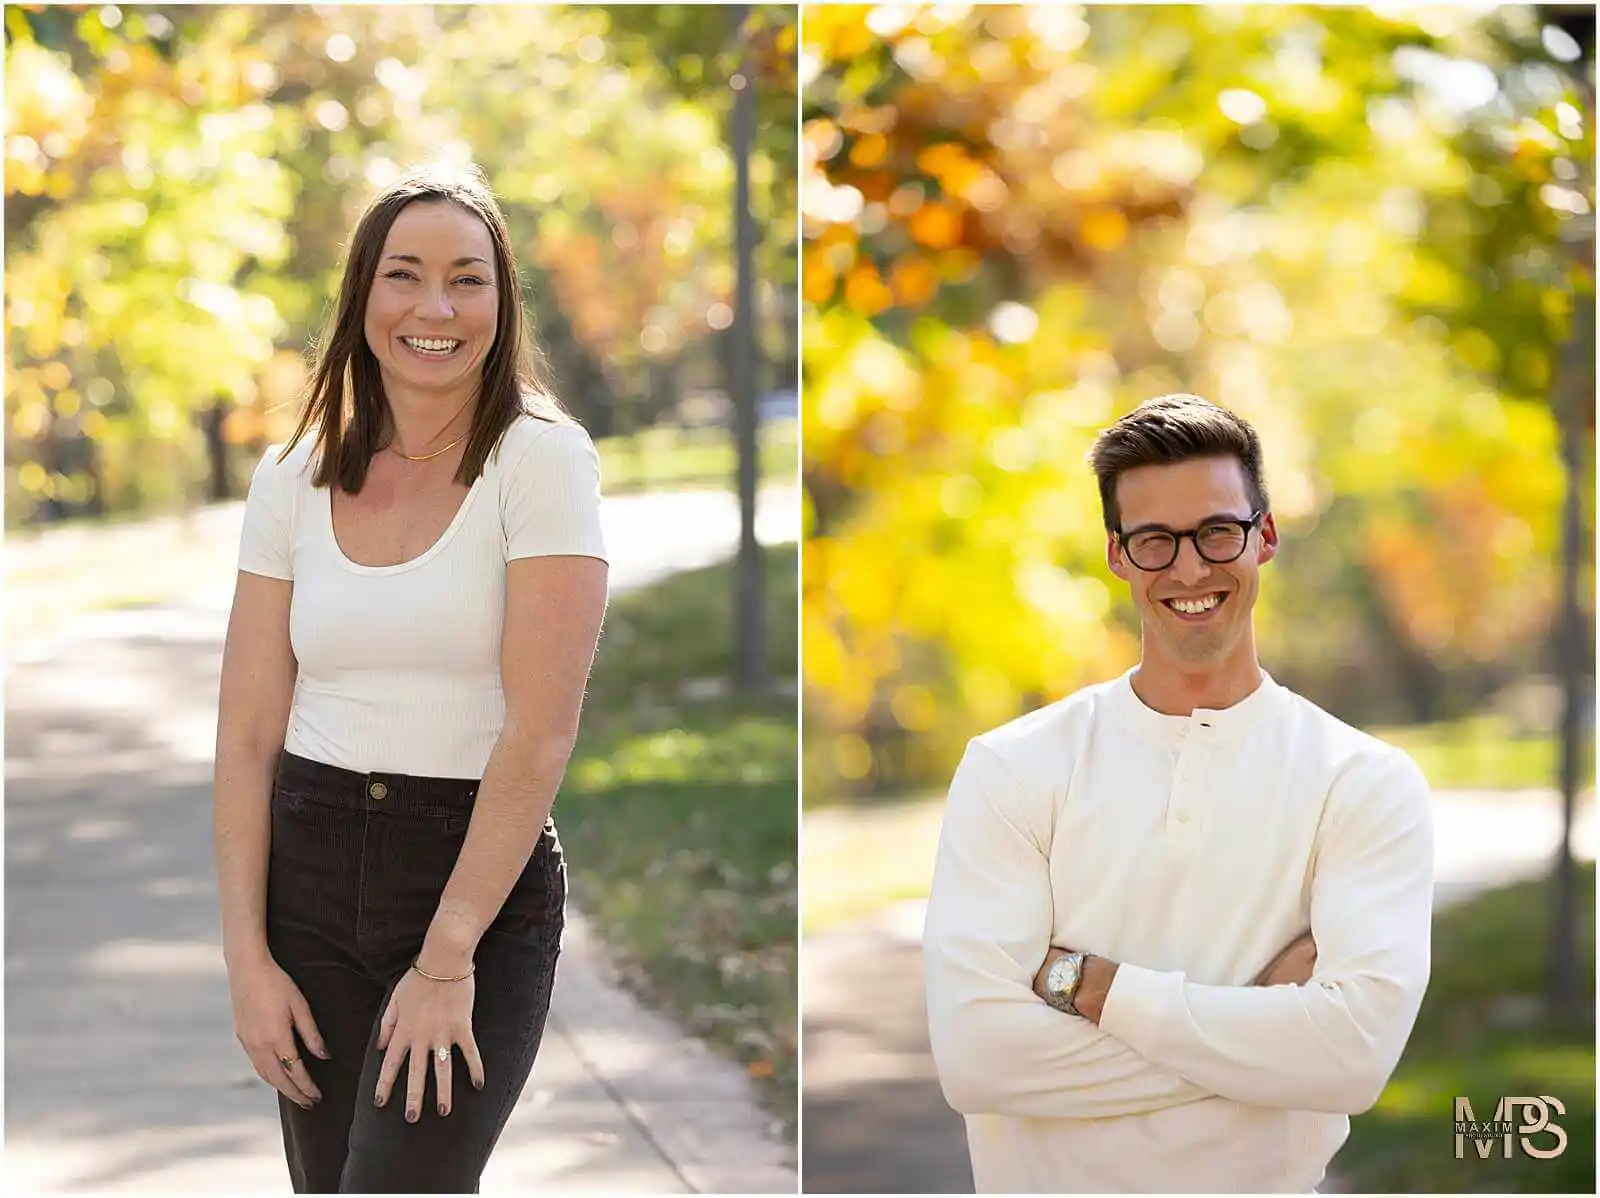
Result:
pixel 1169 429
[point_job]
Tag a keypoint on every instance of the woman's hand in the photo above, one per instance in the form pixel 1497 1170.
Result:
pixel 268 1009
pixel 422 1017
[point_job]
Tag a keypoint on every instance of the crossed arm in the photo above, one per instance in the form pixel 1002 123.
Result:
pixel 1291 967
pixel 997 1047
pixel 1155 1039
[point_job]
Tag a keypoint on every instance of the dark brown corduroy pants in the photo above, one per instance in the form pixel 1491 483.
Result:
pixel 358 863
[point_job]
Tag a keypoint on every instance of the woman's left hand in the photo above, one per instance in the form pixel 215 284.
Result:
pixel 422 1017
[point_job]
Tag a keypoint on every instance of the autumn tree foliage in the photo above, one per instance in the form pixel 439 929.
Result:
pixel 179 181
pixel 1368 231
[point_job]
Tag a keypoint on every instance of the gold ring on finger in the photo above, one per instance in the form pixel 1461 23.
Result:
pixel 288 1062
pixel 443 1054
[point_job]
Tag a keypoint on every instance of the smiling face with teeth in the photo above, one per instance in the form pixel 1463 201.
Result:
pixel 1198 635
pixel 432 312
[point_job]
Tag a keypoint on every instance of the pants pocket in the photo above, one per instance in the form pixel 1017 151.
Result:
pixel 536 906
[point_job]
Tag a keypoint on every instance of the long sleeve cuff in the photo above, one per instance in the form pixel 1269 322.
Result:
pixel 1138 1004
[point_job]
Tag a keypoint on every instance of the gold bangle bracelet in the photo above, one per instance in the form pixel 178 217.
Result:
pixel 433 977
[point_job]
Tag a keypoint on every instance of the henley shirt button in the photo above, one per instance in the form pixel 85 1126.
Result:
pixel 1183 818
pixel 378 791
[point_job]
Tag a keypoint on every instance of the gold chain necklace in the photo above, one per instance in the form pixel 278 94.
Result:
pixel 428 457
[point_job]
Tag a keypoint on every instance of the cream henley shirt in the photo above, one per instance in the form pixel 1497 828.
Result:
pixel 399 666
pixel 1190 850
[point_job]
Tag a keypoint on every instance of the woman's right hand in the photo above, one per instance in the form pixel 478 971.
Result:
pixel 268 1009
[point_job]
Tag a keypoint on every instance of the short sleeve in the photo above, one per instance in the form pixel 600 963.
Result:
pixel 550 496
pixel 264 547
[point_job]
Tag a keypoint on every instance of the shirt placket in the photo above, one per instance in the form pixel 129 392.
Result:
pixel 1184 809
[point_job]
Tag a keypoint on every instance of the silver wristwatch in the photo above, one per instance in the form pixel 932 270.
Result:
pixel 1061 983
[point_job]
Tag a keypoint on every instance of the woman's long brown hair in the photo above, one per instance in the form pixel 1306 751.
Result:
pixel 345 400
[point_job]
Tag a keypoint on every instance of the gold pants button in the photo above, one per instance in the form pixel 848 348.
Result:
pixel 378 790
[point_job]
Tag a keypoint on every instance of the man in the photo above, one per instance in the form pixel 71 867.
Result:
pixel 1179 924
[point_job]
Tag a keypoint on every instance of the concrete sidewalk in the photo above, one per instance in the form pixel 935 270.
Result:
pixel 61 579
pixel 619 1102
pixel 122 1071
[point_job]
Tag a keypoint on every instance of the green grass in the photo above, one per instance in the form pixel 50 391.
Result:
pixel 672 458
pixel 1482 753
pixel 1482 1035
pixel 679 819
pixel 677 635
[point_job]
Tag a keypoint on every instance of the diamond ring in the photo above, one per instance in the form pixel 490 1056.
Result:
pixel 443 1054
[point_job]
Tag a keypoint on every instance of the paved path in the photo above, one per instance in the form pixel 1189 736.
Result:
pixel 122 1072
pixel 873 1118
pixel 58 581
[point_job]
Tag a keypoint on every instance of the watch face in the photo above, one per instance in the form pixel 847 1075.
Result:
pixel 1063 978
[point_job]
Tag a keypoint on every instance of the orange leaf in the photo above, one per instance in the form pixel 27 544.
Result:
pixel 914 281
pixel 864 290
pixel 935 226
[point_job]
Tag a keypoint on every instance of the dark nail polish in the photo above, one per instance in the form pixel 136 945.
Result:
pixel 412 1116
pixel 377 1100
pixel 443 1110
pixel 477 1085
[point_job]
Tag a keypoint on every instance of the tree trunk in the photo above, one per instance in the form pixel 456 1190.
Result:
pixel 789 304
pixel 1575 407
pixel 749 630
pixel 1573 396
pixel 219 483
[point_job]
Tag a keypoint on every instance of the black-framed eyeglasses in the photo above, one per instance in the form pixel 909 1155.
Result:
pixel 1217 541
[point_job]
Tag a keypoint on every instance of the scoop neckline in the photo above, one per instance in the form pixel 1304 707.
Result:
pixel 422 558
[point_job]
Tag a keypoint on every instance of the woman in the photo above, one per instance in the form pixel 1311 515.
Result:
pixel 421 586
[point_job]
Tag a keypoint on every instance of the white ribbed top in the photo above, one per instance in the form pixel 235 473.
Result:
pixel 1190 849
pixel 399 666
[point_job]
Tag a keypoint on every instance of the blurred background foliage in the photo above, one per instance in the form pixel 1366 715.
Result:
pixel 1368 231
pixel 180 180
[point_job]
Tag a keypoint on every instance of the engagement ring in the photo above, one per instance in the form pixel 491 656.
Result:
pixel 444 1054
